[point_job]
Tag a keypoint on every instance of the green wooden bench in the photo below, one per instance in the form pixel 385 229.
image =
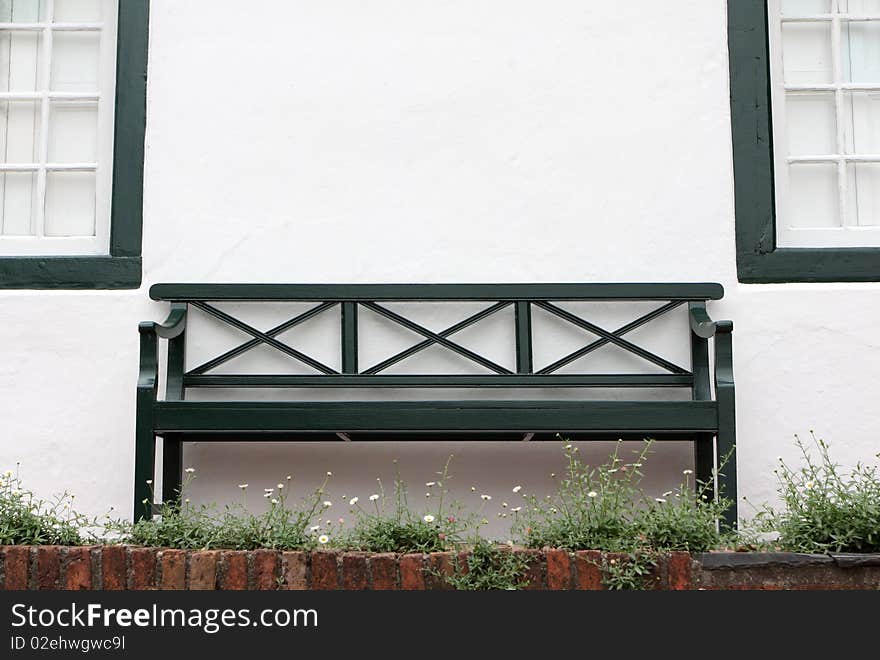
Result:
pixel 708 422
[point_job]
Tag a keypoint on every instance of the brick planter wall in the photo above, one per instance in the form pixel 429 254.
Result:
pixel 135 568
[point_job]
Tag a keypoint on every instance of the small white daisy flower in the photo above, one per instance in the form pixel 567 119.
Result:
pixel 323 538
pixel 328 503
pixel 242 486
pixel 485 498
pixel 660 499
pixel 516 509
pixel 353 501
pixel 592 493
pixel 314 528
pixel 189 470
pixel 149 482
pixel 374 497
pixel 431 484
pixel 268 490
pixel 280 486
pixel 329 474
pixel 429 518
pixel 687 471
pixel 274 501
pixel 516 489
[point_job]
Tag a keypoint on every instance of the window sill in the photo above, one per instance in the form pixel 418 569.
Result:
pixel 810 265
pixel 86 272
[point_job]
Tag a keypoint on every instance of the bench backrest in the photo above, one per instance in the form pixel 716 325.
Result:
pixel 350 298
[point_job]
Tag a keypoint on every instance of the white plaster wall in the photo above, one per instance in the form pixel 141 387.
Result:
pixel 425 141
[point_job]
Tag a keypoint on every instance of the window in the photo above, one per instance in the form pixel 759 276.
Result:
pixel 805 112
pixel 825 73
pixel 72 99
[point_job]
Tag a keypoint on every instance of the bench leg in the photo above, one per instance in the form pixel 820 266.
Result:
pixel 172 468
pixel 726 440
pixel 144 470
pixel 704 461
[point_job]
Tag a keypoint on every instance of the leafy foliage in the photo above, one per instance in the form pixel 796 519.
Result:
pixel 826 509
pixel 28 520
pixel 489 567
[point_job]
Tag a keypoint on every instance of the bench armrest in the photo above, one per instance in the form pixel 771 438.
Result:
pixel 170 327
pixel 150 331
pixel 702 325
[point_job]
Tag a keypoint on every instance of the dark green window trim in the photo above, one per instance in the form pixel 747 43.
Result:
pixel 121 269
pixel 758 259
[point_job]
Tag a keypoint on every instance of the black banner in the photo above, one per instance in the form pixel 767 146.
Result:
pixel 415 624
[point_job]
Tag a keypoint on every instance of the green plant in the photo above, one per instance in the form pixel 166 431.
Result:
pixel 627 572
pixel 593 508
pixel 28 520
pixel 604 508
pixel 685 518
pixel 488 567
pixel 388 523
pixel 826 509
pixel 180 524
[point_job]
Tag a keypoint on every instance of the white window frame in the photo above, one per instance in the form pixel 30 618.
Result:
pixel 846 234
pixel 39 244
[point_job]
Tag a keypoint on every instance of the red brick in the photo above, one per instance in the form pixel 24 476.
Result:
pixel 383 571
pixel 412 577
pixel 143 569
pixel 234 571
pixel 17 562
pixel 203 570
pixel 78 569
pixel 461 562
pixel 325 572
pixel 679 571
pixel 441 567
pixel 266 569
pixel 534 575
pixel 48 567
pixel 588 564
pixel 354 571
pixel 558 569
pixel 295 570
pixel 173 565
pixel 113 570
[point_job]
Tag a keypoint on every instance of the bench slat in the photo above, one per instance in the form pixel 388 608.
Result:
pixel 435 292
pixel 447 416
pixel 441 381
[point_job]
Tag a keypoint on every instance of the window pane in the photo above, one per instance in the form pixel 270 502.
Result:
pixel 73 133
pixel 860 6
pixel 803 7
pixel 22 11
pixel 77 11
pixel 810 123
pixel 70 204
pixel 17 191
pixel 21 56
pixel 806 53
pixel 860 56
pixel 863 200
pixel 75 61
pixel 862 110
pixel 19 131
pixel 812 195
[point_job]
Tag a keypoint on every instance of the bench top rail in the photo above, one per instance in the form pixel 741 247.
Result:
pixel 428 292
